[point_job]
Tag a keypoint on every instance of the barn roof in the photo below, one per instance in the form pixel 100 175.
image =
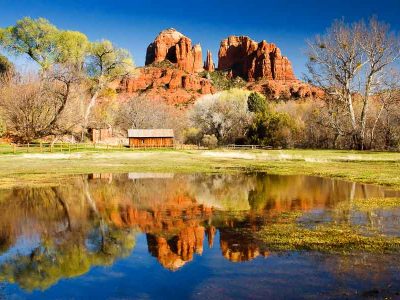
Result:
pixel 143 133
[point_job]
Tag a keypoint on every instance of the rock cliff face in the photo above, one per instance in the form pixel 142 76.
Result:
pixel 209 63
pixel 171 71
pixel 171 85
pixel 251 60
pixel 174 46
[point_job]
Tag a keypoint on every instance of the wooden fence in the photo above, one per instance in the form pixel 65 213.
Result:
pixel 79 147
pixel 238 147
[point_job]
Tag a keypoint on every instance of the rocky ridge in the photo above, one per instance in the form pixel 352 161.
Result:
pixel 174 71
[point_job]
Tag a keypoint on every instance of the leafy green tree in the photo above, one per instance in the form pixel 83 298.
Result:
pixel 105 64
pixel 66 59
pixel 35 38
pixel 60 55
pixel 257 103
pixel 270 128
pixel 44 43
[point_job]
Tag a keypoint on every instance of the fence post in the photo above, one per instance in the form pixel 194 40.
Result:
pixel 15 148
pixel 61 149
pixel 41 149
pixel 27 149
pixel 69 148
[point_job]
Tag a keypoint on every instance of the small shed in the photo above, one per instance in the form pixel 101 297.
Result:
pixel 100 134
pixel 158 138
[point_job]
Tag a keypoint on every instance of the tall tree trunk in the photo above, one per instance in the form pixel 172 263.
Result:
pixel 87 113
pixel 374 127
pixel 364 111
pixel 355 134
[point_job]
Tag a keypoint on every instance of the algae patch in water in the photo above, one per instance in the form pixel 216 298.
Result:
pixel 287 233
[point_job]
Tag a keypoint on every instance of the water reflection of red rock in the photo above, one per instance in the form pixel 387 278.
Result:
pixel 237 243
pixel 174 234
pixel 174 252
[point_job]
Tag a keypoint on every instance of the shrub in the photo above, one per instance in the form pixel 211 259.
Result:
pixel 257 103
pixel 224 115
pixel 209 141
pixel 274 129
pixel 192 136
pixel 221 80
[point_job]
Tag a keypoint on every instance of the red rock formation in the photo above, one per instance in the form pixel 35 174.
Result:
pixel 251 60
pixel 280 89
pixel 170 74
pixel 209 64
pixel 171 85
pixel 174 46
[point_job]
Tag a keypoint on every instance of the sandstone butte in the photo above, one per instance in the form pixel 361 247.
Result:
pixel 263 67
pixel 173 70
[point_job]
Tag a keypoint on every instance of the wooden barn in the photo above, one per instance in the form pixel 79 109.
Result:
pixel 157 138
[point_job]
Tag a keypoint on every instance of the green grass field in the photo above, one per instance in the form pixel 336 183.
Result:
pixel 50 168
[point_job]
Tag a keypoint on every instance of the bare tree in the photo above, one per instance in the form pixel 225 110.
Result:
pixel 224 115
pixel 145 113
pixel 349 63
pixel 33 107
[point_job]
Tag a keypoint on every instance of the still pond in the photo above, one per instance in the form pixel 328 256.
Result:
pixel 199 236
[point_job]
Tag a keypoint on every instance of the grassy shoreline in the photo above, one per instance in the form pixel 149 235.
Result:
pixel 381 168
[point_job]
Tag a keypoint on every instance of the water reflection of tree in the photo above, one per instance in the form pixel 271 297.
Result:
pixel 73 235
pixel 52 261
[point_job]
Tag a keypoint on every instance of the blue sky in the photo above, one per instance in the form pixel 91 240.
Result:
pixel 134 24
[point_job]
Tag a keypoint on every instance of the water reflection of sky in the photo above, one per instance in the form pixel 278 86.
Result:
pixel 23 246
pixel 140 276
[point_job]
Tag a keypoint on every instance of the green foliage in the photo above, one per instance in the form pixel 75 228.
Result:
pixel 47 45
pixel 107 62
pixel 272 129
pixel 37 38
pixel 257 103
pixel 72 47
pixel 163 64
pixel 222 82
pixel 44 43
